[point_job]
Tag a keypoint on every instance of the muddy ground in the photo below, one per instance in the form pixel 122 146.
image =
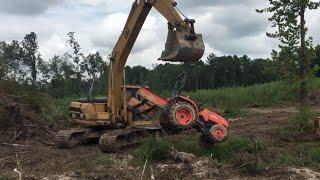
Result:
pixel 37 158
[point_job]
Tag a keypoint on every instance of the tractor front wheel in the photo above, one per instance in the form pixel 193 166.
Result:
pixel 216 134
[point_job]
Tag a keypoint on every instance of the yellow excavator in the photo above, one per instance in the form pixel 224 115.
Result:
pixel 124 118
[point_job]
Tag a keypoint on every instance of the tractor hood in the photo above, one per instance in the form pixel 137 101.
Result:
pixel 208 115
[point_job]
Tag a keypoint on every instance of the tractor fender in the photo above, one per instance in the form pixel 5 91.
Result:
pixel 187 100
pixel 209 116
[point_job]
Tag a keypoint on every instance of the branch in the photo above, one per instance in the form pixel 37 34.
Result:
pixel 151 172
pixel 19 173
pixel 18 169
pixel 13 96
pixel 144 168
pixel 14 145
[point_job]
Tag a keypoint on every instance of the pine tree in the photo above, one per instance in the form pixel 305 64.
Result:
pixel 288 18
pixel 30 48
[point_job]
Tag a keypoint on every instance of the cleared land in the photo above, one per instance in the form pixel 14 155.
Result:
pixel 262 143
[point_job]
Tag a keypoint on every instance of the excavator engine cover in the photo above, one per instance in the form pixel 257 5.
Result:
pixel 182 46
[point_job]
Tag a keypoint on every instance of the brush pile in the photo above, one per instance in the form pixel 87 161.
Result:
pixel 314 97
pixel 18 122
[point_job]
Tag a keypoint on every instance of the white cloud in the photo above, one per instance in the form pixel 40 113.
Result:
pixel 108 31
pixel 228 27
pixel 147 46
pixel 27 7
pixel 55 45
pixel 15 28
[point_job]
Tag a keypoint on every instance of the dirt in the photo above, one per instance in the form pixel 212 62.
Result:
pixel 315 97
pixel 37 158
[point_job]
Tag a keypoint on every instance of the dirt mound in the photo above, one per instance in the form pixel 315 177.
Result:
pixel 304 173
pixel 18 122
pixel 315 98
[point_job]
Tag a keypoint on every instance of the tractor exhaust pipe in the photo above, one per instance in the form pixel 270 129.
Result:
pixel 183 44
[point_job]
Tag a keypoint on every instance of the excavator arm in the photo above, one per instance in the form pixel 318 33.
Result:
pixel 182 45
pixel 107 120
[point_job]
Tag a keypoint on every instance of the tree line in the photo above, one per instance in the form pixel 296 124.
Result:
pixel 73 73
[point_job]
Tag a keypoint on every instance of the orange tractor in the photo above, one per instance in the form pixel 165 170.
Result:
pixel 179 113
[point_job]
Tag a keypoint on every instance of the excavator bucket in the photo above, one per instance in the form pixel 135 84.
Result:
pixel 181 46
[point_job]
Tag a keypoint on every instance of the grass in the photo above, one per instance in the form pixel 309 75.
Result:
pixel 6 177
pixel 304 155
pixel 301 120
pixel 260 95
pixel 159 149
pixel 256 95
pixel 61 108
pixel 314 155
pixel 88 163
pixel 229 152
pixel 308 155
pixel 284 160
pixel 49 109
pixel 240 152
pixel 153 150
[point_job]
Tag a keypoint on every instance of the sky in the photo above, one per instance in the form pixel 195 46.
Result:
pixel 229 27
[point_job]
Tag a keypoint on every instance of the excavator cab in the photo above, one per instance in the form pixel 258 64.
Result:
pixel 183 44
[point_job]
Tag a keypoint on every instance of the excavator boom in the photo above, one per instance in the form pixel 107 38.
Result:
pixel 182 45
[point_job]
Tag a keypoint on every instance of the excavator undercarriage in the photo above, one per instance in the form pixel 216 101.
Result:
pixel 109 140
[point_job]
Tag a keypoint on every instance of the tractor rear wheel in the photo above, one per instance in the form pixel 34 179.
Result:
pixel 180 116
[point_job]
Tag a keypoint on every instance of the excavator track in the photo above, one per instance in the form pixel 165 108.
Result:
pixel 73 137
pixel 116 140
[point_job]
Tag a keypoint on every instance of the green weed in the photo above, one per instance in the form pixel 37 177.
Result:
pixel 7 177
pixel 284 160
pixel 260 95
pixel 88 163
pixel 191 146
pixel 315 155
pixel 230 149
pixel 231 111
pixel 253 168
pixel 154 149
pixel 102 160
pixel 223 152
pixel 301 120
pixel 302 155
